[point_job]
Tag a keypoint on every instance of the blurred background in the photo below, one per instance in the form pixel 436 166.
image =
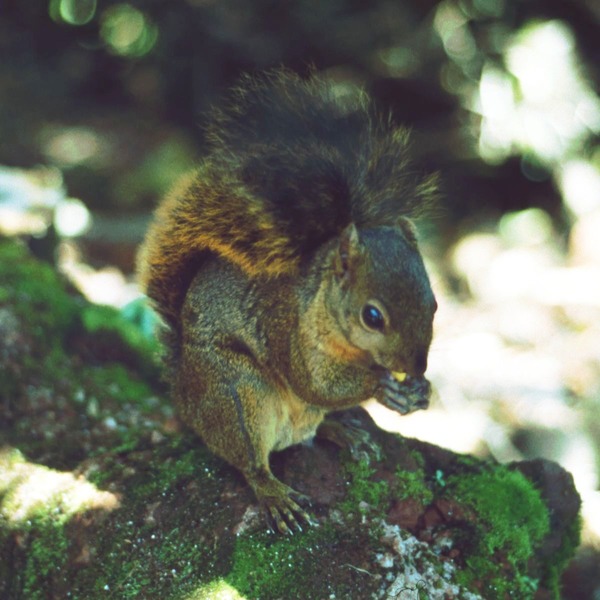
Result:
pixel 101 109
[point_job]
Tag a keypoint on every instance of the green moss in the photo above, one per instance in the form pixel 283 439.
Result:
pixel 33 294
pixel 316 564
pixel 512 521
pixel 92 363
pixel 264 564
pixel 363 488
pixel 62 360
pixel 49 312
pixel 412 484
pixel 144 562
pixel 49 317
pixel 516 518
pixel 180 458
pixel 46 556
pixel 417 457
pixel 37 295
pixel 151 559
pixel 168 470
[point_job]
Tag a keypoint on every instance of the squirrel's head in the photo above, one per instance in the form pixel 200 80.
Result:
pixel 381 298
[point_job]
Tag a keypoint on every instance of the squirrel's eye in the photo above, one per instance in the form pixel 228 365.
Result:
pixel 372 317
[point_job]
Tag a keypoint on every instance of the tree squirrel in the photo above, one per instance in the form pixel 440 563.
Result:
pixel 288 275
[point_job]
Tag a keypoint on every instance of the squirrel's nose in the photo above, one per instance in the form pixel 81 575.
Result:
pixel 419 363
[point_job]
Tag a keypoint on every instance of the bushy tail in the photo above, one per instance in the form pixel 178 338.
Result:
pixel 290 166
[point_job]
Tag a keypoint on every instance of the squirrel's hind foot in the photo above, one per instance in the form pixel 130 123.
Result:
pixel 284 515
pixel 281 504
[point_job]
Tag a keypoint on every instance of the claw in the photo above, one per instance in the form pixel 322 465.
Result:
pixel 284 515
pixel 276 521
pixel 280 503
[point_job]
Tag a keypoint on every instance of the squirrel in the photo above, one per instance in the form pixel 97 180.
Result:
pixel 287 272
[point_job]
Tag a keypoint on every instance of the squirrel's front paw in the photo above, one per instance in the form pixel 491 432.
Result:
pixel 405 394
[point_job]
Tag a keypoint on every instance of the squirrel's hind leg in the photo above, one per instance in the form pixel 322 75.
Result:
pixel 224 397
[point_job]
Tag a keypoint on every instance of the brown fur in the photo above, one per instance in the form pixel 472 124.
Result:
pixel 205 213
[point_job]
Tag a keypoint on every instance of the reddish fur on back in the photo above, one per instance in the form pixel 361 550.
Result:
pixel 203 213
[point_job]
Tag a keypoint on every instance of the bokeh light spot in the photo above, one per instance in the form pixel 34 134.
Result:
pixel 70 146
pixel 528 227
pixel 127 31
pixel 72 218
pixel 73 12
pixel 579 182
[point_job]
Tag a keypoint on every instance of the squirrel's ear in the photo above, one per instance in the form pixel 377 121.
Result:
pixel 409 230
pixel 348 253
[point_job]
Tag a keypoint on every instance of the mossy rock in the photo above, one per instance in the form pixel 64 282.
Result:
pixel 103 496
